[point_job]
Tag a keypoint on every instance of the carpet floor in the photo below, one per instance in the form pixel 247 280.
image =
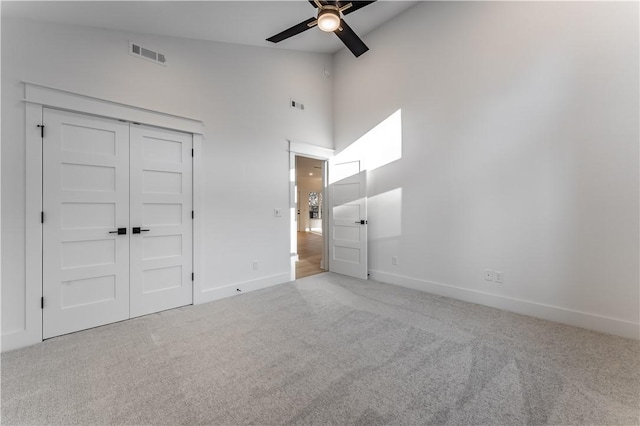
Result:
pixel 326 349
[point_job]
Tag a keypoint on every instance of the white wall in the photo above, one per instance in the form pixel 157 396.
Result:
pixel 520 153
pixel 241 94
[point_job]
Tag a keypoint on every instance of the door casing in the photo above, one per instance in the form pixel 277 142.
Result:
pixel 319 153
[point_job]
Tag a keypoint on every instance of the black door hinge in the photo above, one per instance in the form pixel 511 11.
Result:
pixel 192 152
pixel 42 303
pixel 193 215
pixel 41 130
pixel 193 276
pixel 41 217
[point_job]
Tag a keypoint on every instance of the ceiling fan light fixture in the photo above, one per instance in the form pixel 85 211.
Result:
pixel 329 19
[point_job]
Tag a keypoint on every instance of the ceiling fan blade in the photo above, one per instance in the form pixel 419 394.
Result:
pixel 350 39
pixel 355 5
pixel 322 2
pixel 290 32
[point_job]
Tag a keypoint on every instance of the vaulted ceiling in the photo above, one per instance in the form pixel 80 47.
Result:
pixel 243 22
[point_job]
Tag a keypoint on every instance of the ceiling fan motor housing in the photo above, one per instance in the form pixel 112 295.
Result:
pixel 329 18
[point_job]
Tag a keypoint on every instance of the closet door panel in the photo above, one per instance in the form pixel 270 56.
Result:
pixel 161 204
pixel 85 201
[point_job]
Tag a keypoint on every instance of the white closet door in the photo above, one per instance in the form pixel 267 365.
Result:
pixel 161 204
pixel 85 201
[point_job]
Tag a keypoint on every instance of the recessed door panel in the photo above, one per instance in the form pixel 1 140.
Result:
pixel 82 254
pixel 165 150
pixel 162 246
pixel 88 139
pixel 88 177
pixel 88 291
pixel 162 182
pixel 346 233
pixel 346 254
pixel 349 211
pixel 85 198
pixel 162 279
pixel 88 215
pixel 162 214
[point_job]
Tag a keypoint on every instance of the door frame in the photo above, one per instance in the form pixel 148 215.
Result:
pixel 319 153
pixel 37 97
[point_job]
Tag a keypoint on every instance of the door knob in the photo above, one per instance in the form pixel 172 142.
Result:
pixel 361 222
pixel 137 230
pixel 120 231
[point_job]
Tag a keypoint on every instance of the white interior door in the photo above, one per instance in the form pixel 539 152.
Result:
pixel 348 226
pixel 85 202
pixel 161 205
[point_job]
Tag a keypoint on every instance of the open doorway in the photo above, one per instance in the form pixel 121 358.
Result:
pixel 310 215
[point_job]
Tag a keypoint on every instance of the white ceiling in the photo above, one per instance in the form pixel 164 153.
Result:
pixel 243 22
pixel 305 166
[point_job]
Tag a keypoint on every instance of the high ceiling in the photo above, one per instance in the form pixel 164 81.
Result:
pixel 243 22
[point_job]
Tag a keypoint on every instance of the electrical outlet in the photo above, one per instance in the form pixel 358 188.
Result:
pixel 394 260
pixel 277 212
pixel 255 265
pixel 488 274
pixel 499 276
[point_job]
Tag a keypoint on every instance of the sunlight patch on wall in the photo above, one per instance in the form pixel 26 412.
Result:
pixel 386 208
pixel 339 170
pixel 376 148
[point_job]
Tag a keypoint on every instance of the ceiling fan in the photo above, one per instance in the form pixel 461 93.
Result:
pixel 329 19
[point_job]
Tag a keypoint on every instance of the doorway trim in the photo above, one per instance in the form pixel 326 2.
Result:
pixel 319 153
pixel 38 96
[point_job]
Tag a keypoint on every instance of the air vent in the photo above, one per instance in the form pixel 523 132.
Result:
pixel 148 54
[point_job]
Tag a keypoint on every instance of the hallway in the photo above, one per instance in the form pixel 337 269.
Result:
pixel 309 254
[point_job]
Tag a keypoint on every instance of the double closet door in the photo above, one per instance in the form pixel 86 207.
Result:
pixel 117 229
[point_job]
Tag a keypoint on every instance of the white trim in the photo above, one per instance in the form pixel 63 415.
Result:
pixel 229 290
pixel 63 99
pixel 320 153
pixel 32 331
pixel 575 318
pixel 197 219
pixel 37 97
pixel 312 151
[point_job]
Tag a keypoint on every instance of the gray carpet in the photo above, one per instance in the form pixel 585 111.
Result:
pixel 326 350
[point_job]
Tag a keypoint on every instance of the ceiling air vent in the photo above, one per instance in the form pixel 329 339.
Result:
pixel 148 54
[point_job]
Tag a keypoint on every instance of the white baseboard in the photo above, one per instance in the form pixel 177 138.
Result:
pixel 552 313
pixel 245 286
pixel 19 339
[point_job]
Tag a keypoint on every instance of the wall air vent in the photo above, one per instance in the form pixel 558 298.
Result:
pixel 148 54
